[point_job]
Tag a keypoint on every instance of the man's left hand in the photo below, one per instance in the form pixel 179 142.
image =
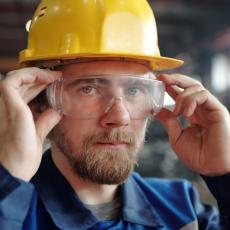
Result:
pixel 204 144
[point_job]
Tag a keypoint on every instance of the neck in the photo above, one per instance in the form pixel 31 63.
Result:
pixel 85 189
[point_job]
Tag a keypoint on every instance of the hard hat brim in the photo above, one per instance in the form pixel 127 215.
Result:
pixel 157 63
pixel 163 63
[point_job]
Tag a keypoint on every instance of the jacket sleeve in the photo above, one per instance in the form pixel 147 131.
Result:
pixel 220 188
pixel 15 199
pixel 207 215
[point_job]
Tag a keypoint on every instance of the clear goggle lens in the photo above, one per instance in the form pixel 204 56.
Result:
pixel 90 97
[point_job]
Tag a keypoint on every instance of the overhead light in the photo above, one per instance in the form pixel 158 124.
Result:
pixel 28 25
pixel 220 72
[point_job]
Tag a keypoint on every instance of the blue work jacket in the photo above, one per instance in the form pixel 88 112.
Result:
pixel 48 202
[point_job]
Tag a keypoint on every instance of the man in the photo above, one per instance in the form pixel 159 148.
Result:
pixel 102 92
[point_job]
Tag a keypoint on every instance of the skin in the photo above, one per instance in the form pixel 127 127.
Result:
pixel 202 146
pixel 75 130
pixel 21 138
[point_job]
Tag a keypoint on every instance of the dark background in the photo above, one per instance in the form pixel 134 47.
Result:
pixel 197 31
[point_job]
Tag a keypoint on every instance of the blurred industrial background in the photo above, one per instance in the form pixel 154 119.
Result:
pixel 193 30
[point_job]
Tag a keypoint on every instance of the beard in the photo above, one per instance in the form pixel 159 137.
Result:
pixel 93 162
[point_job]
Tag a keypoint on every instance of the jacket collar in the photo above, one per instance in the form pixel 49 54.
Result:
pixel 67 210
pixel 136 207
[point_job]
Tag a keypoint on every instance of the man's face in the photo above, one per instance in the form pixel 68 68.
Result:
pixel 105 149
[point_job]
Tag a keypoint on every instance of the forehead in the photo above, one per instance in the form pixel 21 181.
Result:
pixel 103 67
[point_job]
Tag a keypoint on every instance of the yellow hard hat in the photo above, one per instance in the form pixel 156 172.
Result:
pixel 72 29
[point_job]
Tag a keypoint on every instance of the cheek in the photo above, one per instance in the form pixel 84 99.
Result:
pixel 139 126
pixel 76 128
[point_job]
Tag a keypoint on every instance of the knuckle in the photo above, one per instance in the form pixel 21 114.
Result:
pixel 22 71
pixel 190 100
pixel 11 72
pixel 197 82
pixel 204 92
pixel 176 75
pixel 198 87
pixel 180 97
pixel 33 70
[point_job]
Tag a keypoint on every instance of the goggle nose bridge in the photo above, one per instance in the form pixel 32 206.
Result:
pixel 112 102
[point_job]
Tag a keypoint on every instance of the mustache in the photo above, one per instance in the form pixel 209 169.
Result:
pixel 113 136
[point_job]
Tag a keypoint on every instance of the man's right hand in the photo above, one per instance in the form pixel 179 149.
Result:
pixel 21 138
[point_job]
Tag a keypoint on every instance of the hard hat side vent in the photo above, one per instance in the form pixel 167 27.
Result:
pixel 42 11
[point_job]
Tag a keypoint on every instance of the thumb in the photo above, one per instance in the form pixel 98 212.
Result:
pixel 171 124
pixel 46 122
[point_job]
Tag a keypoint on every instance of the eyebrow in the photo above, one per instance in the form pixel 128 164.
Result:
pixel 75 82
pixel 134 81
pixel 137 82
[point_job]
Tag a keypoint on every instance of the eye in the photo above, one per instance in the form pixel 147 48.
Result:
pixel 88 90
pixel 133 91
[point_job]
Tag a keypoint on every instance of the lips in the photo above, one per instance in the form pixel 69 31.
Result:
pixel 113 143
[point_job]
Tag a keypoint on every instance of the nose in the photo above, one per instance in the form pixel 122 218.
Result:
pixel 116 114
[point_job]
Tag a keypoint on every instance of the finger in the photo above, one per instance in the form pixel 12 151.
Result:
pixel 28 81
pixel 180 80
pixel 46 122
pixel 171 124
pixel 209 104
pixel 10 98
pixel 173 91
pixel 185 97
pixel 33 92
pixel 31 75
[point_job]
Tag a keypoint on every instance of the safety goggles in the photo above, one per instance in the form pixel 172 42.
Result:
pixel 90 97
